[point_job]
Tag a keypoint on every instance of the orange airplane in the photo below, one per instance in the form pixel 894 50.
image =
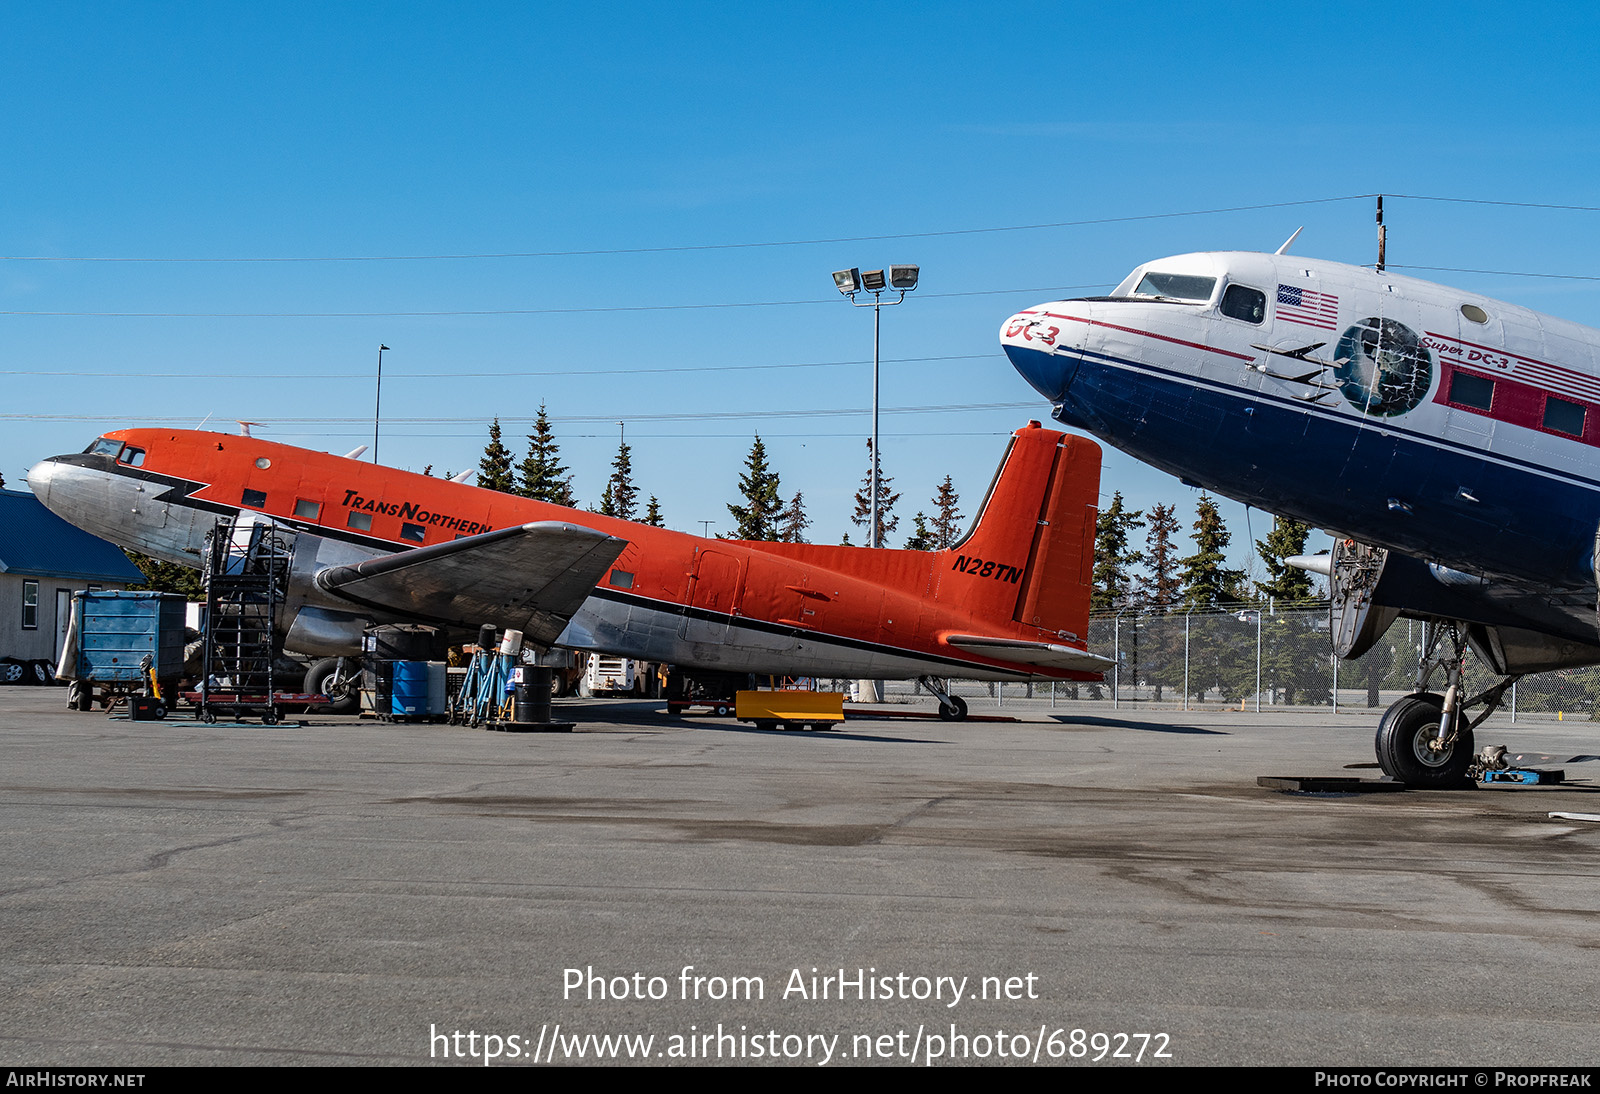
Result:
pixel 376 545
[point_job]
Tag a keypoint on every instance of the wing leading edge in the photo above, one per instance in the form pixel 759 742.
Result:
pixel 533 577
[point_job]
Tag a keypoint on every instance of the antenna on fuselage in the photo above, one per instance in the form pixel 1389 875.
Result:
pixel 1383 234
pixel 1285 248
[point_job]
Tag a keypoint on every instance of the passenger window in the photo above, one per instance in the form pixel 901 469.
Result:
pixel 416 533
pixel 255 499
pixel 622 579
pixel 1476 392
pixel 361 522
pixel 1562 416
pixel 306 510
pixel 1243 302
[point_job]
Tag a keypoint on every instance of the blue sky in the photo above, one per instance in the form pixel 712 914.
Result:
pixel 663 141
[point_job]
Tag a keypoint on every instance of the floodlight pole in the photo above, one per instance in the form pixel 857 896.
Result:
pixel 877 306
pixel 377 403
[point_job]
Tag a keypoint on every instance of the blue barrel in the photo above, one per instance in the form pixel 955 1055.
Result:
pixel 410 695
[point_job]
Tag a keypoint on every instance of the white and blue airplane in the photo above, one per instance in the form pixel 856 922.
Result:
pixel 1450 442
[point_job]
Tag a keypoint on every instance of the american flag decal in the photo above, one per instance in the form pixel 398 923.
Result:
pixel 1308 307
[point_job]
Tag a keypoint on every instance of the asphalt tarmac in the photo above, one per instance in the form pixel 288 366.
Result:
pixel 1056 890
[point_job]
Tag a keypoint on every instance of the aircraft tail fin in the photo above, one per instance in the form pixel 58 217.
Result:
pixel 1029 557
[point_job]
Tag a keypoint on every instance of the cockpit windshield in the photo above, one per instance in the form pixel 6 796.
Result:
pixel 1172 286
pixel 105 446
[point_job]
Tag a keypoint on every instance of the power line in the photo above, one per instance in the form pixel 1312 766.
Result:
pixel 505 311
pixel 695 246
pixel 668 416
pixel 494 375
pixel 1498 273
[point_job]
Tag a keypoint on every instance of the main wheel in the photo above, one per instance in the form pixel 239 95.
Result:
pixel 1404 734
pixel 323 678
pixel 956 711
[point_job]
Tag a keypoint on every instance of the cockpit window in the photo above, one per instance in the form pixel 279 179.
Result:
pixel 1243 302
pixel 105 446
pixel 133 457
pixel 1171 286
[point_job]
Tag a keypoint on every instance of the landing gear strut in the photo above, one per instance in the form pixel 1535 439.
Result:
pixel 1425 740
pixel 952 708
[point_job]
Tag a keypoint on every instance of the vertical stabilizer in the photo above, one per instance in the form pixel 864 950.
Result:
pixel 1030 555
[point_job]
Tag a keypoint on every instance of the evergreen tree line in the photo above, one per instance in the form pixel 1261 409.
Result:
pixel 1157 578
pixel 761 514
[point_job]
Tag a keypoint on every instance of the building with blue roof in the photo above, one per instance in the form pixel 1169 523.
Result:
pixel 43 561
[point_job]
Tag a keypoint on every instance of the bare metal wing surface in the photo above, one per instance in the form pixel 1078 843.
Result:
pixel 533 577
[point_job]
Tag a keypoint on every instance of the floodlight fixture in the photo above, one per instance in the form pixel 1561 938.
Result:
pixel 900 280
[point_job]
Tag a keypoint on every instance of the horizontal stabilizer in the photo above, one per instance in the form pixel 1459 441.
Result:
pixel 532 577
pixel 1049 655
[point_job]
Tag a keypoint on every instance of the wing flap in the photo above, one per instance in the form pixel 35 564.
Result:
pixel 1049 655
pixel 532 577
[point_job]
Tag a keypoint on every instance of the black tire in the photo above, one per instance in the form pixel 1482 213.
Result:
pixel 269 717
pixel 956 711
pixel 1402 745
pixel 159 712
pixel 342 699
pixel 208 716
pixel 723 710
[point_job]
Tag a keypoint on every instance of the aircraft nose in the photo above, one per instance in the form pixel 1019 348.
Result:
pixel 41 477
pixel 1037 341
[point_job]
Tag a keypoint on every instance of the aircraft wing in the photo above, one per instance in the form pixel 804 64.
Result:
pixel 532 577
pixel 1049 655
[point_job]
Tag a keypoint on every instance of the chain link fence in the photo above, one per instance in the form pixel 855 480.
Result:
pixel 1253 659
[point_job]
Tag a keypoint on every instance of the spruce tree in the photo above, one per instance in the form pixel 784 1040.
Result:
pixel 792 521
pixel 758 517
pixel 887 522
pixel 1161 586
pixel 922 538
pixel 166 577
pixel 1286 584
pixel 652 513
pixel 621 495
pixel 494 470
pixel 544 478
pixel 1207 583
pixel 946 528
pixel 1113 561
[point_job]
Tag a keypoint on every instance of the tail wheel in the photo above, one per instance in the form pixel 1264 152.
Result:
pixel 1404 745
pixel 956 711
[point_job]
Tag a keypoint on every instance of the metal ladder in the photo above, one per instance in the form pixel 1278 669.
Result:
pixel 246 575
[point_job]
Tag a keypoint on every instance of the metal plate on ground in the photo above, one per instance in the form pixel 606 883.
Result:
pixel 1328 784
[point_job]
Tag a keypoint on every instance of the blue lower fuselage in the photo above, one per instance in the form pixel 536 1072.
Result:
pixel 1375 479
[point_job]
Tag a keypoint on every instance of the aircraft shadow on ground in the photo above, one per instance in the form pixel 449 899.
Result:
pixel 1145 727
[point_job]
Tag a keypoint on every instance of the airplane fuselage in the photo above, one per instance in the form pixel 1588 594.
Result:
pixel 1446 425
pixel 685 600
